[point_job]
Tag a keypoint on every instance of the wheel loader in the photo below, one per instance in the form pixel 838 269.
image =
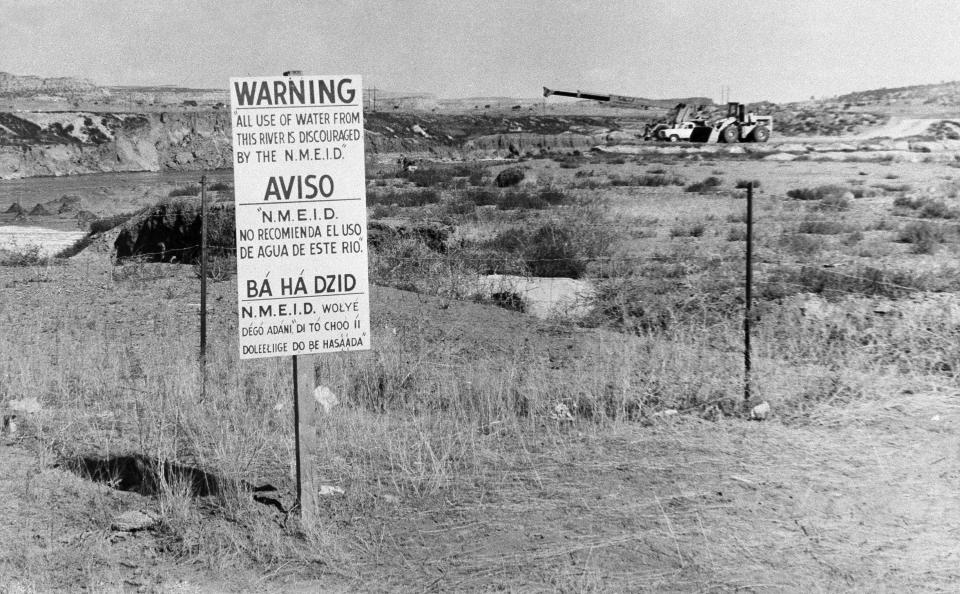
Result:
pixel 738 125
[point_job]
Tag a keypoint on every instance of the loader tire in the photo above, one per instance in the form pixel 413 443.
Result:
pixel 760 134
pixel 674 138
pixel 730 134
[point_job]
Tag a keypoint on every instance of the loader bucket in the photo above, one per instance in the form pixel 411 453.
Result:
pixel 701 134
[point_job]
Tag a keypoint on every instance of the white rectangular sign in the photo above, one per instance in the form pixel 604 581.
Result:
pixel 301 215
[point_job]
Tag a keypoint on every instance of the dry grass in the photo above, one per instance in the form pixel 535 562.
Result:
pixel 457 477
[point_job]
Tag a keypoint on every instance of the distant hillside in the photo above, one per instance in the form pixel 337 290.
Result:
pixel 942 94
pixel 12 85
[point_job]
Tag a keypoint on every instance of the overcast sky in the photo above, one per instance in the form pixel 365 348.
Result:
pixel 781 50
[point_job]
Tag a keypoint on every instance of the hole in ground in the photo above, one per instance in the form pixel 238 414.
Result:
pixel 142 474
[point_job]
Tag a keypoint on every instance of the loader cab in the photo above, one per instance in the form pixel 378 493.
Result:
pixel 737 110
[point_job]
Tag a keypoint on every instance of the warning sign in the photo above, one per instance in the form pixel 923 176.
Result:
pixel 301 215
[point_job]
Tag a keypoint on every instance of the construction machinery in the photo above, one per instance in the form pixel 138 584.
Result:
pixel 627 101
pixel 681 110
pixel 684 121
pixel 738 125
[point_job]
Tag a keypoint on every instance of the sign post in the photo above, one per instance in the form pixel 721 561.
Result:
pixel 301 224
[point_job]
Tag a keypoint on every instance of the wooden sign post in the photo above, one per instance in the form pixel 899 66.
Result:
pixel 301 224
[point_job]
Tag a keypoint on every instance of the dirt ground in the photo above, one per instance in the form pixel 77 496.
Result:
pixel 862 497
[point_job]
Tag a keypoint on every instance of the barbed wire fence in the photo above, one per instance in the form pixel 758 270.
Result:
pixel 464 274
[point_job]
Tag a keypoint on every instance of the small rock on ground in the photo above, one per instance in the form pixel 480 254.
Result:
pixel 134 520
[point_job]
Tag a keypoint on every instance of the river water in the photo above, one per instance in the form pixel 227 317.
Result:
pixel 31 191
pixel 51 234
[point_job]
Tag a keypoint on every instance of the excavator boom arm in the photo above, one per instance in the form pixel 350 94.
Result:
pixel 618 100
pixel 628 101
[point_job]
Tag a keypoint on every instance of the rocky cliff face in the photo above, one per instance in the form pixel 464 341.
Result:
pixel 67 143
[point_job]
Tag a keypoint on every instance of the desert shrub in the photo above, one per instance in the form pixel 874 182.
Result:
pixel 937 209
pixel 382 211
pixel 629 304
pixel 801 244
pixel 482 196
pixel 460 206
pixel 506 299
pixel 520 199
pixel 220 187
pixel 816 226
pixel 29 256
pixel 465 169
pixel 647 180
pixel 743 183
pixel 427 177
pixel 706 185
pixel 834 202
pixel 818 193
pixel 737 217
pixel 924 236
pixel 894 187
pixel 862 192
pixel 853 239
pixel 552 252
pixel 220 267
pixel 868 281
pixel 509 177
pixel 657 171
pixel 929 208
pixel 737 233
pixel 553 196
pixel 529 199
pixel 688 230
pixel 403 198
pixel 589 184
pixel 510 240
pixel 190 190
pixel 475 177
pixel 908 202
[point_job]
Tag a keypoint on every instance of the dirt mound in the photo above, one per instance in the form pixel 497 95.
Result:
pixel 39 211
pixel 15 209
pixel 65 204
pixel 170 231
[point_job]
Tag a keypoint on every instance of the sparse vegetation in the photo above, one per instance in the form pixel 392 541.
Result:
pixel 688 230
pixel 926 207
pixel 647 180
pixel 189 190
pixel 709 184
pixel 817 193
pixel 924 236
pixel 403 198
pixel 29 256
pixel 820 226
pixel 510 177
